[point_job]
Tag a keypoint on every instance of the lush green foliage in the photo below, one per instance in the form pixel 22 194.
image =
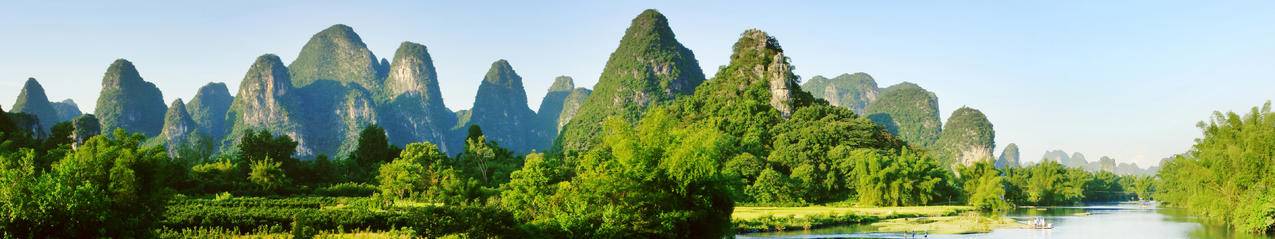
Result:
pixel 907 178
pixel 1226 176
pixel 325 213
pixel 651 180
pixel 108 187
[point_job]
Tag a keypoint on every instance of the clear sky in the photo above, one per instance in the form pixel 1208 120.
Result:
pixel 1127 79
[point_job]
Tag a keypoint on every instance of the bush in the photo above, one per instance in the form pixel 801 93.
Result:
pixel 347 189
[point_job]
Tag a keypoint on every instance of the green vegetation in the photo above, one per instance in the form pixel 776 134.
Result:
pixel 854 91
pixel 336 54
pixel 107 187
pixel 208 110
pixel 32 100
pixel 908 111
pixel 128 102
pixel 760 219
pixel 415 111
pixel 967 138
pixel 500 107
pixel 654 154
pixel 1010 157
pixel 648 68
pixel 1225 178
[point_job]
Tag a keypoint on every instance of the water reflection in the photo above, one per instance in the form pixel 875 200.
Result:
pixel 1119 220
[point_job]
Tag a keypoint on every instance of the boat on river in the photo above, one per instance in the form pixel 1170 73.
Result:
pixel 1040 223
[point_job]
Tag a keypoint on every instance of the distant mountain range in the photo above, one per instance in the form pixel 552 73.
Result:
pixel 337 86
pixel 1104 163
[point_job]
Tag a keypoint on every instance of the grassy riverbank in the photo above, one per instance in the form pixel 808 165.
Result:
pixel 932 219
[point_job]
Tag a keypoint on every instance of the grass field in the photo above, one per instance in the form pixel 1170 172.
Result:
pixel 932 219
pixel 745 213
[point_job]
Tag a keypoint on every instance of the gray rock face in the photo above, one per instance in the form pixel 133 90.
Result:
pixel 129 102
pixel 33 101
pixel 264 102
pixel 500 108
pixel 1010 157
pixel 854 91
pixel 571 105
pixel 415 110
pixel 782 83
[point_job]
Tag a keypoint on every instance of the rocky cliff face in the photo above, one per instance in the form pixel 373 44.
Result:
pixel 967 138
pixel 570 106
pixel 67 110
pixel 500 108
pixel 208 110
pixel 909 112
pixel 264 102
pixel 854 91
pixel 648 67
pixel 1010 157
pixel 178 127
pixel 33 101
pixel 415 110
pixel 129 102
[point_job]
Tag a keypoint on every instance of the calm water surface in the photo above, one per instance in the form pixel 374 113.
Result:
pixel 1118 220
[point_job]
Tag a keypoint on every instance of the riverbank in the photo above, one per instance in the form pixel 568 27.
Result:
pixel 931 219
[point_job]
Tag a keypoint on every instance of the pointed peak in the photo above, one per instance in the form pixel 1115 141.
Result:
pixel 268 59
pixel 410 47
pixel 33 86
pixel 502 73
pixel 69 102
pixel 650 26
pixel 218 88
pixel 754 42
pixel 650 16
pixel 906 85
pixel 562 83
pixel 337 30
pixel 178 104
pixel 338 33
pixel 123 71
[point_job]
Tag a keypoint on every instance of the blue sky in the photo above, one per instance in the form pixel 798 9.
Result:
pixel 1127 80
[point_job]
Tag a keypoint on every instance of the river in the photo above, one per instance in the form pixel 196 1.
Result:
pixel 1114 220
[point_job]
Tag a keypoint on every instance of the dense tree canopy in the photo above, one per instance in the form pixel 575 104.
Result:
pixel 108 187
pixel 1226 176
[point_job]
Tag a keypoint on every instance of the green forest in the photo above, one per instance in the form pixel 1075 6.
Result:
pixel 675 159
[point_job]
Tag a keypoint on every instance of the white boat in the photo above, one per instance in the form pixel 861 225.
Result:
pixel 1040 223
